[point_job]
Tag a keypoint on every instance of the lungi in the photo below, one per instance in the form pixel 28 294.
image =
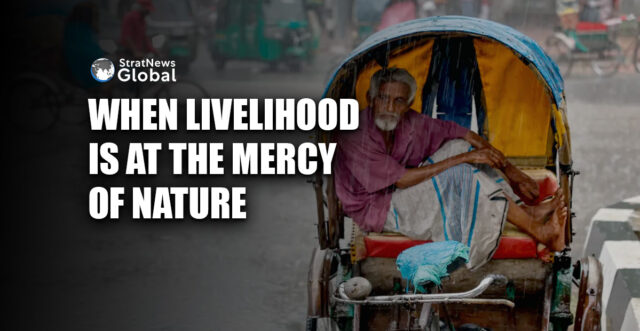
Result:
pixel 465 203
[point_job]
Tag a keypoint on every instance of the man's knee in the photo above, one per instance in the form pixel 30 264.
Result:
pixel 458 174
pixel 451 148
pixel 457 146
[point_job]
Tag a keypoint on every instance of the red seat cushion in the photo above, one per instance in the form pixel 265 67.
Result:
pixel 547 187
pixel 389 246
pixel 511 246
pixel 516 248
pixel 392 246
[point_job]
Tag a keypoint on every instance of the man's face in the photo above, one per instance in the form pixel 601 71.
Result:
pixel 391 102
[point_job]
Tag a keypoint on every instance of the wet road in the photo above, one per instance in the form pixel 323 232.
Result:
pixel 605 134
pixel 79 274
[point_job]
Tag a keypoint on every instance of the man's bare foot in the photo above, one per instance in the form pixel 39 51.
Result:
pixel 551 233
pixel 543 210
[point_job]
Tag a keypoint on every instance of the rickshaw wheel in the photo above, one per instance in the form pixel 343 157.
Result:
pixel 588 273
pixel 321 324
pixel 608 61
pixel 560 53
pixel 325 272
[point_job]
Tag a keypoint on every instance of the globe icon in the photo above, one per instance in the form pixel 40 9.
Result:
pixel 102 70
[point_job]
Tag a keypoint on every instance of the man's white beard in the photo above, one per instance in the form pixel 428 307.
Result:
pixel 387 123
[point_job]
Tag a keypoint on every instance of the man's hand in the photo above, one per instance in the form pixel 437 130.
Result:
pixel 525 185
pixel 488 156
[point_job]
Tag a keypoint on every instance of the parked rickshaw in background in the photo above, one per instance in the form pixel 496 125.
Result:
pixel 518 104
pixel 273 31
pixel 603 52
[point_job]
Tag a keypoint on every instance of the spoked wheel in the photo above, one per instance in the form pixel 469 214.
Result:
pixel 325 275
pixel 608 61
pixel 560 53
pixel 587 274
pixel 34 104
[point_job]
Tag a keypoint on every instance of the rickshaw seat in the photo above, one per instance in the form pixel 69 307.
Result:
pixel 514 244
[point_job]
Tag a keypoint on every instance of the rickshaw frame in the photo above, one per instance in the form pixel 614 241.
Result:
pixel 327 259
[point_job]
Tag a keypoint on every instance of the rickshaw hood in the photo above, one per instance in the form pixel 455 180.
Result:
pixel 526 47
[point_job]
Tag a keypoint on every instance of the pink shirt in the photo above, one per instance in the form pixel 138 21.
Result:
pixel 365 173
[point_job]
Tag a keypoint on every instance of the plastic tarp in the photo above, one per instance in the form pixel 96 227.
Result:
pixel 428 263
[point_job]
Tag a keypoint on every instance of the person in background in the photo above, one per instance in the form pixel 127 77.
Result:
pixel 80 43
pixel 567 11
pixel 133 37
pixel 596 10
pixel 397 11
pixel 485 9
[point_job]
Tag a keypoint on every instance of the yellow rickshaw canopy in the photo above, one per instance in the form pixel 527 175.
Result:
pixel 522 91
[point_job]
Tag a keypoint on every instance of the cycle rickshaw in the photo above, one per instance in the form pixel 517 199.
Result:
pixel 518 104
pixel 604 53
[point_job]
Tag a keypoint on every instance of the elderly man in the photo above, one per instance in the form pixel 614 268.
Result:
pixel 429 179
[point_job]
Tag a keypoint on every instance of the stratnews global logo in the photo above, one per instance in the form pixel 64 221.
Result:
pixel 146 70
pixel 102 70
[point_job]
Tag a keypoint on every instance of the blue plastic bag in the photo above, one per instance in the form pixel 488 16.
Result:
pixel 430 262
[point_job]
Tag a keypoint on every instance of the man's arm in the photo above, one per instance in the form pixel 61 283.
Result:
pixel 417 175
pixel 519 180
pixel 476 141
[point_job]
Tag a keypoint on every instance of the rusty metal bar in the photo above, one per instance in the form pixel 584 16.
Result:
pixel 467 297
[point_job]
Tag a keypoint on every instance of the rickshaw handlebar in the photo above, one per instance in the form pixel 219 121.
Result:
pixel 468 297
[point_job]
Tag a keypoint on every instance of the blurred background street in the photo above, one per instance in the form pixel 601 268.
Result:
pixel 81 274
